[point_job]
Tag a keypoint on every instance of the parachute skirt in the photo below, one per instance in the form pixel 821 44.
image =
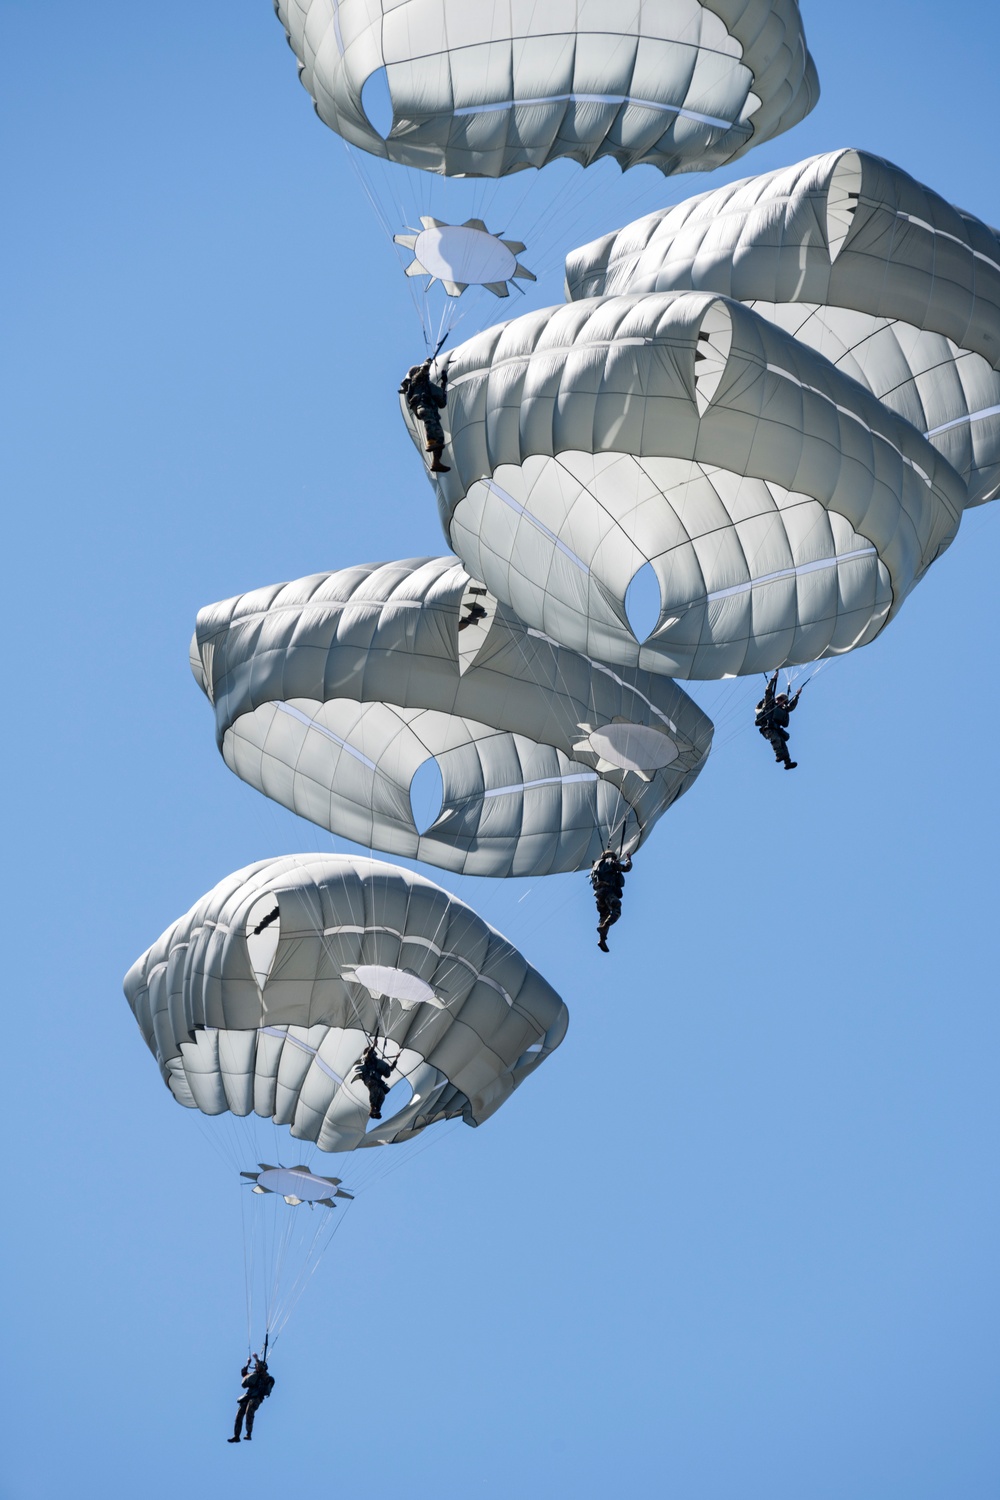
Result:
pixel 487 90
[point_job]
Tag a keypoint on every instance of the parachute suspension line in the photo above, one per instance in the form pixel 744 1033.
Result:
pixel 390 1164
pixel 284 1238
pixel 322 1237
pixel 563 682
pixel 737 716
pixel 248 1267
pixel 385 224
pixel 445 325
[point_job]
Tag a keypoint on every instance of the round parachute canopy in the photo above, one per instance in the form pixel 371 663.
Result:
pixel 332 693
pixel 785 512
pixel 263 997
pixel 851 255
pixel 485 90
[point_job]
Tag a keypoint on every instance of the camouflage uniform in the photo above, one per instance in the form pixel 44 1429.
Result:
pixel 426 399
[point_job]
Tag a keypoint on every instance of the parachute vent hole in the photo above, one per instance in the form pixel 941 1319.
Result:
pixel 376 102
pixel 643 602
pixel 394 1103
pixel 426 795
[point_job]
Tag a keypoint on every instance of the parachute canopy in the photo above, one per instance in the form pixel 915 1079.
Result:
pixel 786 513
pixel 855 258
pixel 331 692
pixel 485 90
pixel 262 998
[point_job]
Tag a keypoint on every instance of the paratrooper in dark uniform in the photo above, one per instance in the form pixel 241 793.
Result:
pixel 426 399
pixel 373 1071
pixel 771 719
pixel 608 879
pixel 258 1384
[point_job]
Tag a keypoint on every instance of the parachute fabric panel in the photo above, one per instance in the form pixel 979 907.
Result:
pixel 288 1049
pixel 485 90
pixel 785 511
pixel 330 692
pixel 894 285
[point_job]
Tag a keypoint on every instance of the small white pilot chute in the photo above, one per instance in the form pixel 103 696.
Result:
pixel 463 255
pixel 297 1185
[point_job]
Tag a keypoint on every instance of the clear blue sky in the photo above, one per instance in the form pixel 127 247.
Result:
pixel 738 1240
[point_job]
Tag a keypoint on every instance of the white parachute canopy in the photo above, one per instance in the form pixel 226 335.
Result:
pixel 264 996
pixel 894 285
pixel 333 693
pixel 442 104
pixel 785 512
pixel 485 90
